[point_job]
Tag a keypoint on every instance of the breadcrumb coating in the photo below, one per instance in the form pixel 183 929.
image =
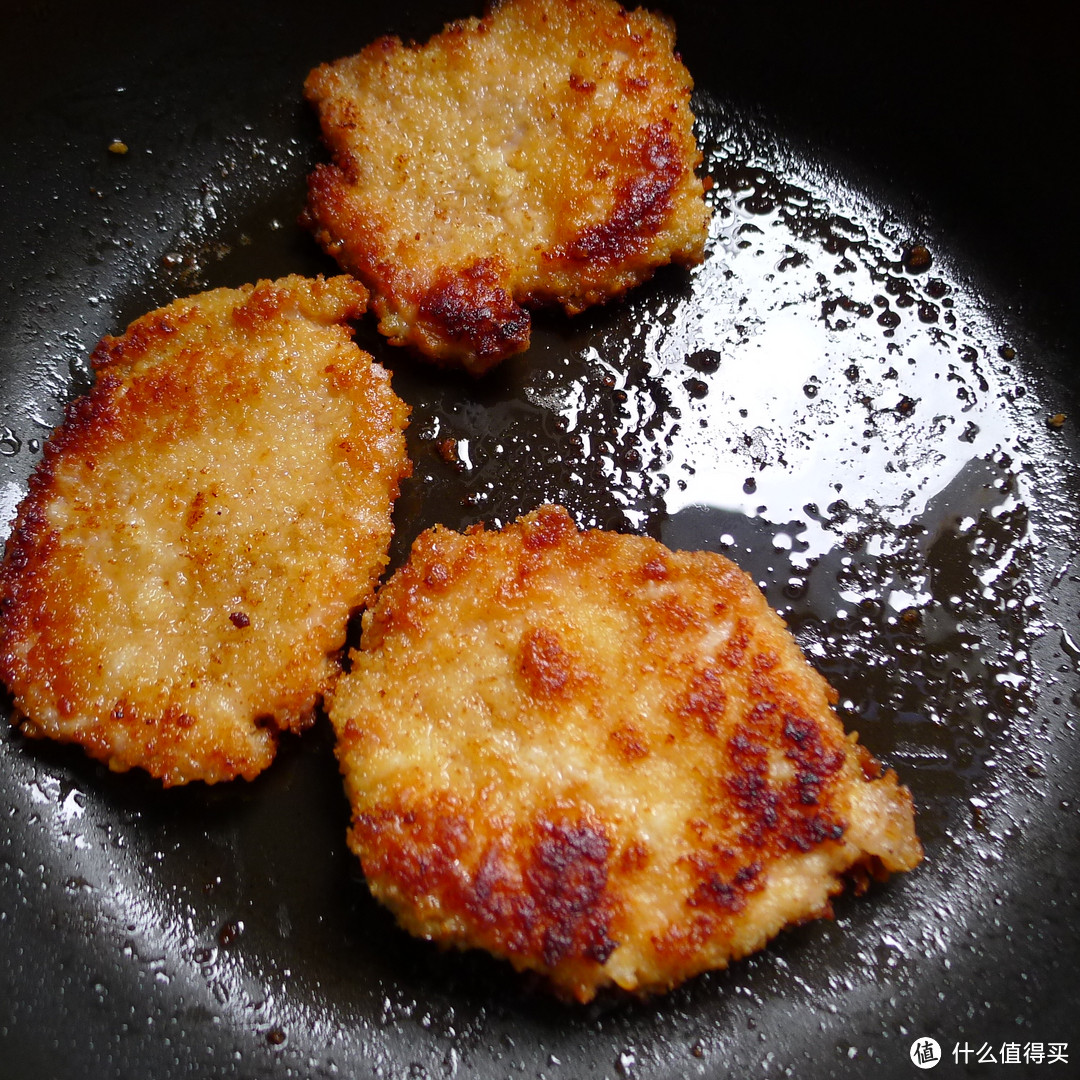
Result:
pixel 178 580
pixel 600 759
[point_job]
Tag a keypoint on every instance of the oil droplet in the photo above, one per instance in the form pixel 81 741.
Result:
pixel 10 443
pixel 230 931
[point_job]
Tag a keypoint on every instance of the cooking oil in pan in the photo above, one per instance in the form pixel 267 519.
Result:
pixel 827 400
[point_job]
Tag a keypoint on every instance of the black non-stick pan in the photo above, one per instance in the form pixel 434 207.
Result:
pixel 866 395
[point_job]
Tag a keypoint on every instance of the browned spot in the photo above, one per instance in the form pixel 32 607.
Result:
pixel 416 847
pixel 548 669
pixel 635 857
pixel 656 569
pixel 262 306
pixel 736 646
pixel 240 620
pixel 631 743
pixel 344 376
pixel 815 762
pixel 175 717
pixel 722 880
pixel 495 898
pixel 762 665
pixel 672 614
pixel 567 882
pixel 704 701
pixel 472 307
pixel 547 528
pixel 748 781
pixel 684 938
pixel 437 576
pixel 791 815
pixel 398 610
pixel 585 86
pixel 196 510
pixel 642 204
pixel 727 894
pixel 714 918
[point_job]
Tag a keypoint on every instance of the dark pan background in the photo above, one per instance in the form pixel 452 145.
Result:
pixel 226 931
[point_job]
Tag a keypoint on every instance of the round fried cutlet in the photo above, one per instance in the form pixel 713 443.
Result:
pixel 542 155
pixel 178 580
pixel 603 760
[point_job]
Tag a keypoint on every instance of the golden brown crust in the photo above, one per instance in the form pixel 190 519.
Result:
pixel 178 579
pixel 541 155
pixel 603 760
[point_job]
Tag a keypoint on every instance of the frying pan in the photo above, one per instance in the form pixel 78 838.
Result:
pixel 878 442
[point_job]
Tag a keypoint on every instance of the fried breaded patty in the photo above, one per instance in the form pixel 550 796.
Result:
pixel 603 760
pixel 542 155
pixel 178 580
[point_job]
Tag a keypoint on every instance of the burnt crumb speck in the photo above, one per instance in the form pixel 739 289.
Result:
pixel 447 450
pixel 917 258
pixel 240 620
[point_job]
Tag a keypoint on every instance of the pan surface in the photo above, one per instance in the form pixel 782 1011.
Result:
pixel 888 447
